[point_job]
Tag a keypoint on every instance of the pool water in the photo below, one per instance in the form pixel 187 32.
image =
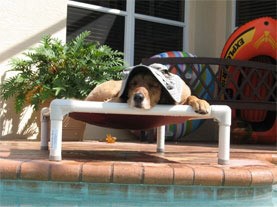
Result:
pixel 34 193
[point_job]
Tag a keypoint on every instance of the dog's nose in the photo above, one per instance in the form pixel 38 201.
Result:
pixel 138 98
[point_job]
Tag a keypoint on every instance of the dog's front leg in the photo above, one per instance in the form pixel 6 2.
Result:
pixel 199 105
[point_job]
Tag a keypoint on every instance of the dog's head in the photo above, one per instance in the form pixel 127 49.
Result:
pixel 145 86
pixel 143 90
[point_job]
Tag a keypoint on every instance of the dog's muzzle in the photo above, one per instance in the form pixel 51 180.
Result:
pixel 138 100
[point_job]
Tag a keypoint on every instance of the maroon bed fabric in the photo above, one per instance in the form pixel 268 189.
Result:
pixel 121 121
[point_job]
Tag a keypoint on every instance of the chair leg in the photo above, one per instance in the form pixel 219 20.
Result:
pixel 160 138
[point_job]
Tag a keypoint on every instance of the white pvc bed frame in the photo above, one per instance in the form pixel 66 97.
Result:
pixel 61 107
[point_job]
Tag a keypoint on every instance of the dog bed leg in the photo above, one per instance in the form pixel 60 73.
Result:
pixel 44 120
pixel 160 139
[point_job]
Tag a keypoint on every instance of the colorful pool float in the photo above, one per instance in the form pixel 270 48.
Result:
pixel 255 40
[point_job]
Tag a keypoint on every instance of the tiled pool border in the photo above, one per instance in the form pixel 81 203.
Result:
pixel 138 173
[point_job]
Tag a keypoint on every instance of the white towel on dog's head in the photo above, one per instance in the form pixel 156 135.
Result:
pixel 170 82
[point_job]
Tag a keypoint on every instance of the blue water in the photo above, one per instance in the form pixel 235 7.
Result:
pixel 33 193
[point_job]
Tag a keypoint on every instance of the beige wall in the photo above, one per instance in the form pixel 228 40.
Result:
pixel 209 26
pixel 22 24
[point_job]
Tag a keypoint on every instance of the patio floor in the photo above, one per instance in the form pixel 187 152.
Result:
pixel 126 162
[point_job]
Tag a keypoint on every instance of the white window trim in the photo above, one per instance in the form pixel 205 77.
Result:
pixel 129 36
pixel 130 17
pixel 186 26
pixel 233 13
pixel 96 8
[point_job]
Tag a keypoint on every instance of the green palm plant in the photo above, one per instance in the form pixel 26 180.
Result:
pixel 60 70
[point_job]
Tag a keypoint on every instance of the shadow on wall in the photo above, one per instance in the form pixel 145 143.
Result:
pixel 19 47
pixel 18 126
pixel 25 124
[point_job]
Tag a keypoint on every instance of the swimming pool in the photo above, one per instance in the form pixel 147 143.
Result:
pixel 37 193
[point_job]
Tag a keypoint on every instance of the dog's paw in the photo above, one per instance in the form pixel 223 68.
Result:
pixel 199 105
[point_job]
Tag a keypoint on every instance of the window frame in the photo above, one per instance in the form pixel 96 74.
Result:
pixel 234 14
pixel 129 27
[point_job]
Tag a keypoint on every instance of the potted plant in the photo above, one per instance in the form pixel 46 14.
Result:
pixel 55 69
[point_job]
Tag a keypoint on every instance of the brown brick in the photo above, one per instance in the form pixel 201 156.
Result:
pixel 237 177
pixel 66 171
pixel 208 175
pixel 97 172
pixel 274 174
pixel 158 174
pixel 183 175
pixel 35 170
pixel 129 173
pixel 9 169
pixel 261 176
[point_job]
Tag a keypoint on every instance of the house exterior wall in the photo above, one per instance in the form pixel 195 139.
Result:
pixel 209 25
pixel 22 24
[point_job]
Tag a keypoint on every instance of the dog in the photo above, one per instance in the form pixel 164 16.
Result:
pixel 143 90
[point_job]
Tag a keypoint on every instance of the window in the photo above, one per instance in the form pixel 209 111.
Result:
pixel 248 10
pixel 153 38
pixel 105 28
pixel 138 28
pixel 173 9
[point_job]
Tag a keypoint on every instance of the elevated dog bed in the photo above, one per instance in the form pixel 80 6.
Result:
pixel 123 116
pixel 172 90
pixel 132 122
